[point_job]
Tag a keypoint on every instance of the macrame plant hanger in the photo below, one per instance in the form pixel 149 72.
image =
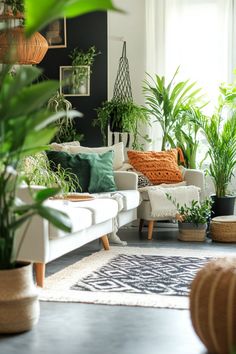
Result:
pixel 122 91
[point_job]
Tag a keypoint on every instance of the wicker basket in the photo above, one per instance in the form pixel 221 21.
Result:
pixel 191 232
pixel 223 228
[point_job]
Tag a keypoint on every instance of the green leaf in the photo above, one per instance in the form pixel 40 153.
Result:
pixel 46 193
pixel 50 10
pixel 57 218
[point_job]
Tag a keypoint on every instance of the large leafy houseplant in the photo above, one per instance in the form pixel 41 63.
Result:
pixel 24 127
pixel 167 102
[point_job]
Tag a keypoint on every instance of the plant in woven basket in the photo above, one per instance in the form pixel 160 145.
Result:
pixel 24 130
pixel 196 212
pixel 66 130
pixel 121 117
pixel 192 219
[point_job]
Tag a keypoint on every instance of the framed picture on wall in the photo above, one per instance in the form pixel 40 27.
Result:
pixel 55 34
pixel 75 80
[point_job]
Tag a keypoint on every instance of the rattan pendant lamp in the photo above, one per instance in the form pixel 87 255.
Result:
pixel 15 48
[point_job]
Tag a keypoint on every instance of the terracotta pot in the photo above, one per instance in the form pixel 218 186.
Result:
pixel 213 305
pixel 19 304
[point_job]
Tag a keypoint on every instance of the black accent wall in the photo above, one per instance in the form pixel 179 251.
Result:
pixel 83 32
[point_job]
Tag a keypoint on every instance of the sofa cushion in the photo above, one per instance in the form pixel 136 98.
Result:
pixel 64 146
pixel 101 173
pixel 79 166
pixel 102 209
pixel 131 199
pixel 118 158
pixel 81 218
pixel 159 167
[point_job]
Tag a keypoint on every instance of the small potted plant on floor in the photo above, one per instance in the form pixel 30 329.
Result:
pixel 192 219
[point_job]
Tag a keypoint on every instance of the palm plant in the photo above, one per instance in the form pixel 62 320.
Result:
pixel 186 135
pixel 221 137
pixel 167 102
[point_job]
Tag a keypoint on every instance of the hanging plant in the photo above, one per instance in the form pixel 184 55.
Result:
pixel 16 6
pixel 65 126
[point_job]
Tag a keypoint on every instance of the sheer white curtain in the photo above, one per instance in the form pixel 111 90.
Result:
pixel 195 34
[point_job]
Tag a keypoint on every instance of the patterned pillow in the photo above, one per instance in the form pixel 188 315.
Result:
pixel 159 167
pixel 143 181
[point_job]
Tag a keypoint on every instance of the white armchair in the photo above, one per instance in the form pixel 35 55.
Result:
pixel 144 212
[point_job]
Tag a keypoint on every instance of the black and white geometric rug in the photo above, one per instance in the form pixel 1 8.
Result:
pixel 156 277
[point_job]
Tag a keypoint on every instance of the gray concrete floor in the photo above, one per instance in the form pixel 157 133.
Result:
pixel 101 329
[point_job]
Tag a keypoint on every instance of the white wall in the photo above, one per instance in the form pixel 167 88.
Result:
pixel 131 28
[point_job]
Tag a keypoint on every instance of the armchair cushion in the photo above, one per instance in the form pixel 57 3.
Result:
pixel 158 167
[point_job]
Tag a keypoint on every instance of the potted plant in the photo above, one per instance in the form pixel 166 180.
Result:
pixel 82 63
pixel 66 130
pixel 192 219
pixel 220 133
pixel 167 102
pixel 25 130
pixel 121 116
pixel 13 7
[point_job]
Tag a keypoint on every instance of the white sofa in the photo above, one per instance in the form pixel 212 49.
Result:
pixel 91 220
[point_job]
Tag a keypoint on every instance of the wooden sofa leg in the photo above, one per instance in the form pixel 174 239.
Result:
pixel 150 229
pixel 140 225
pixel 105 242
pixel 40 273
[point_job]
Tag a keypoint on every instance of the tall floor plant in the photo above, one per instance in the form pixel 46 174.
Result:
pixel 166 102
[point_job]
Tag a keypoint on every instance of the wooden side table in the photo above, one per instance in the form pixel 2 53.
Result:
pixel 223 228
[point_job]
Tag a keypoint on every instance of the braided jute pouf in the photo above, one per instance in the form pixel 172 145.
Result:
pixel 19 304
pixel 223 228
pixel 213 305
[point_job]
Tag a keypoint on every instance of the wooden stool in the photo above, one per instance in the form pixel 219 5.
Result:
pixel 223 228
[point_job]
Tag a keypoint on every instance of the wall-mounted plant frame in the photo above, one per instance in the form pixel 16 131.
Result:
pixel 55 34
pixel 75 80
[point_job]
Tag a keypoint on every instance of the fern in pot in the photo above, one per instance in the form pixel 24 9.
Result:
pixel 25 129
pixel 122 116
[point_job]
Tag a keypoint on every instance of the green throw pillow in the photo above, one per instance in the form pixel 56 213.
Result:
pixel 101 174
pixel 78 166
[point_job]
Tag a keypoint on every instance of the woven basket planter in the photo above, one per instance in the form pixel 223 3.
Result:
pixel 223 228
pixel 19 305
pixel 192 232
pixel 15 48
pixel 213 305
